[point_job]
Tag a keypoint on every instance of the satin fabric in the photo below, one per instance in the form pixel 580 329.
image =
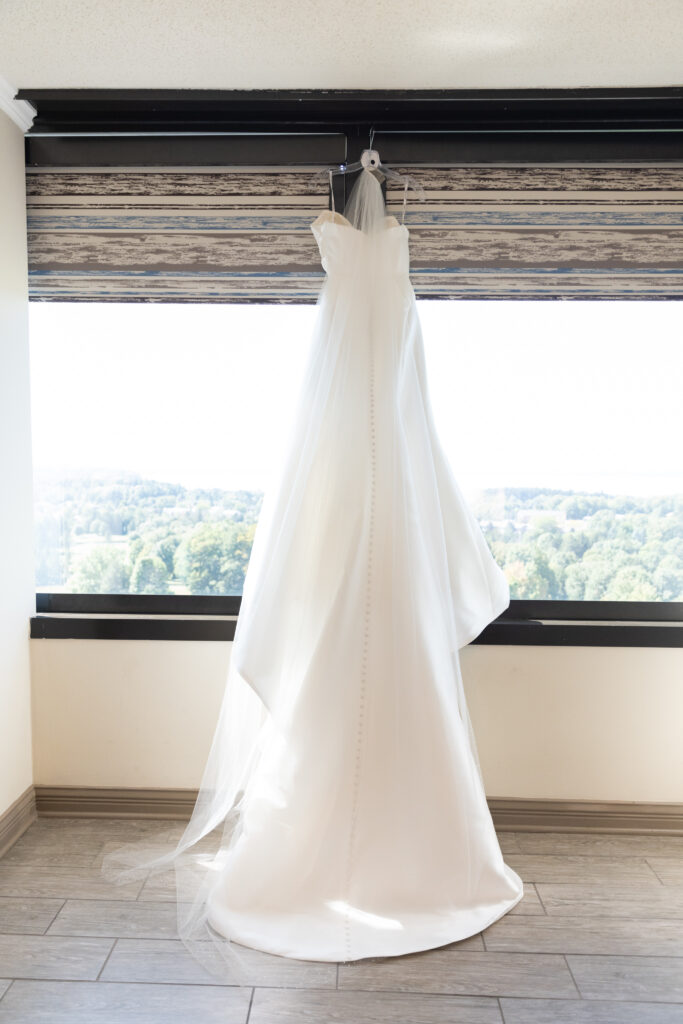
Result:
pixel 364 829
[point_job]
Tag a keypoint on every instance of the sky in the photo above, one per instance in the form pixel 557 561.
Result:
pixel 573 395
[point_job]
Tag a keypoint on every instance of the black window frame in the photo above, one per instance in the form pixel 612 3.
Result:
pixel 151 126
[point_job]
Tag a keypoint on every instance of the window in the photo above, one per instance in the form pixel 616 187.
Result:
pixel 156 428
pixel 563 423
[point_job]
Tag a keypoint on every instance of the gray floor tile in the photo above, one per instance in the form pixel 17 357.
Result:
pixel 668 869
pixel 601 844
pixel 471 942
pixel 463 973
pixel 617 900
pixel 36 853
pixel 649 978
pixel 48 1002
pixel 63 882
pixel 580 868
pixel 116 918
pixel 159 887
pixel 84 840
pixel 54 833
pixel 287 1006
pixel 584 1011
pixel 586 935
pixel 168 961
pixel 529 903
pixel 132 828
pixel 26 916
pixel 508 842
pixel 43 956
pixel 610 908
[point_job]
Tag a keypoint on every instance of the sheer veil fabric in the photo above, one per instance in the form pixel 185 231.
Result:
pixel 342 813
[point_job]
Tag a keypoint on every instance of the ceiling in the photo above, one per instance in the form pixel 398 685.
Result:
pixel 371 44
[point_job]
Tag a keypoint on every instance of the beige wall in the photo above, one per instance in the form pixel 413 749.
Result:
pixel 581 723
pixel 17 587
pixel 578 723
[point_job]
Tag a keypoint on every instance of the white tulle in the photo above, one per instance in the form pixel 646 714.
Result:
pixel 342 811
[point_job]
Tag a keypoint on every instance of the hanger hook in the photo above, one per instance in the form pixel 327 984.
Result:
pixel 372 135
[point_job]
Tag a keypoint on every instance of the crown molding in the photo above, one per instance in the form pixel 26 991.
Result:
pixel 20 111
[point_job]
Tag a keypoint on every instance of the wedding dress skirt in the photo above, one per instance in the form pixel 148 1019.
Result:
pixel 359 826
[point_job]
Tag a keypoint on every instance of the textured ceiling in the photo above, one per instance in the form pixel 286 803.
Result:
pixel 313 44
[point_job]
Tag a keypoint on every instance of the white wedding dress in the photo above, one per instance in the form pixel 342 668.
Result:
pixel 343 790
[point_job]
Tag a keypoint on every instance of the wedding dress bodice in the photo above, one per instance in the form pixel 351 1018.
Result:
pixel 385 252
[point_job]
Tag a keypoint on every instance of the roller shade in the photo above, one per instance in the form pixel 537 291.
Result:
pixel 224 234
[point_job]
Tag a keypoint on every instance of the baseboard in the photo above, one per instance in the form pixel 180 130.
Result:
pixel 17 818
pixel 539 815
pixel 114 802
pixel 509 813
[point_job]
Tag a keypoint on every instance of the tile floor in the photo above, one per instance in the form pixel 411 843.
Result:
pixel 597 939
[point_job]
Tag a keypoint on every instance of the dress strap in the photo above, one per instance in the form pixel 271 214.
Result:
pixel 331 190
pixel 405 196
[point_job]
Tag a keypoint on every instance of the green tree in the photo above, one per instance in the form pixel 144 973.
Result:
pixel 150 575
pixel 630 583
pixel 214 558
pixel 668 578
pixel 166 550
pixel 102 571
pixel 136 546
pixel 530 575
pixel 575 582
pixel 580 506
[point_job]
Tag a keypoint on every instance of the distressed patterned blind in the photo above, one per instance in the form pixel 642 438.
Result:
pixel 220 234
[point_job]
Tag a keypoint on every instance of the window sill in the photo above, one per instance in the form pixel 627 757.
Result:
pixel 519 632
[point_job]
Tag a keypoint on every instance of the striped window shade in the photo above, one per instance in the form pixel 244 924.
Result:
pixel 225 234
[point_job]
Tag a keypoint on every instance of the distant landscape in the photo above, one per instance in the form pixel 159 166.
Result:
pixel 124 534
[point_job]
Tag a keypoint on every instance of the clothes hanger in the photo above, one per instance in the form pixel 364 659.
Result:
pixel 370 158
